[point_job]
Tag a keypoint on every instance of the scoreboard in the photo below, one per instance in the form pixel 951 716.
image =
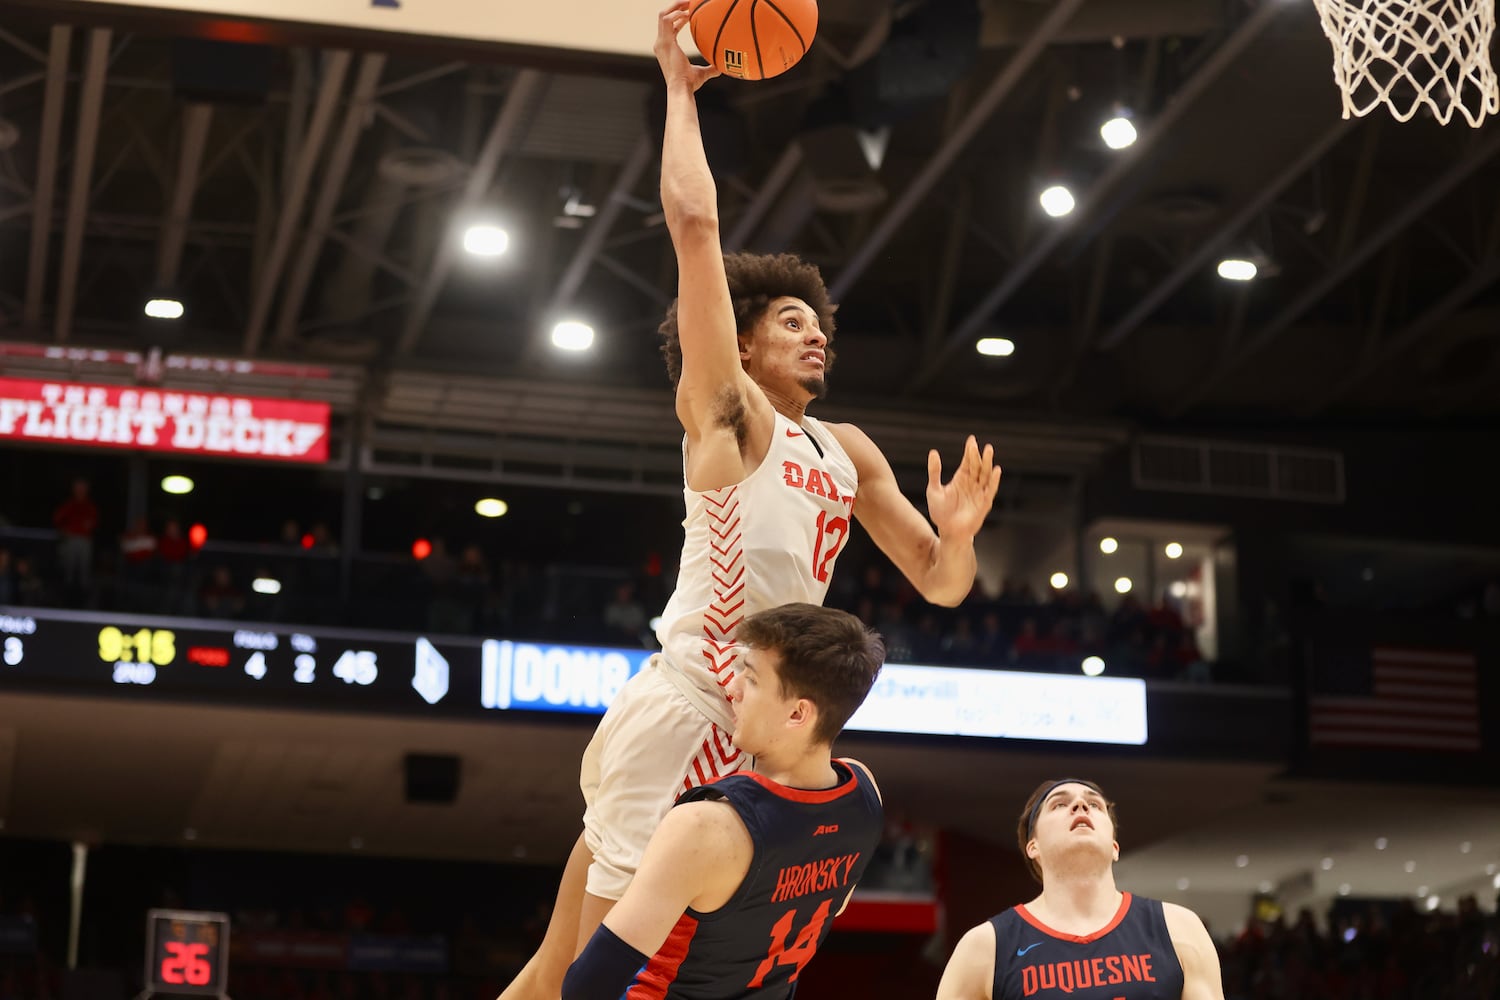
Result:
pixel 146 657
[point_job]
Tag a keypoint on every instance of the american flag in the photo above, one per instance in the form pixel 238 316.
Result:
pixel 1406 699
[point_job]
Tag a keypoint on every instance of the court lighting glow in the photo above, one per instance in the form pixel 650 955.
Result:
pixel 1057 201
pixel 1381 843
pixel 1433 902
pixel 1326 864
pixel 1108 545
pixel 1184 883
pixel 1123 585
pixel 1118 132
pixel 177 485
pixel 1178 589
pixel 484 240
pixel 1059 581
pixel 1345 888
pixel 1243 861
pixel 164 309
pixel 491 507
pixel 1267 886
pixel 1173 550
pixel 654 623
pixel 571 335
pixel 1237 269
pixel 996 347
pixel 265 585
pixel 1093 666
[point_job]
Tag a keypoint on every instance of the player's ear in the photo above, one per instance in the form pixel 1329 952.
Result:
pixel 804 713
pixel 744 343
pixel 1116 845
pixel 1032 850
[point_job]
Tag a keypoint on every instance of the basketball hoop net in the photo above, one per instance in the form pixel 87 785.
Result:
pixel 1410 53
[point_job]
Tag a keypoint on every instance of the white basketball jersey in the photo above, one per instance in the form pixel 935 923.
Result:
pixel 770 539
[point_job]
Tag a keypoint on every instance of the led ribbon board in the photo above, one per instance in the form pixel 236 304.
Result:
pixel 143 656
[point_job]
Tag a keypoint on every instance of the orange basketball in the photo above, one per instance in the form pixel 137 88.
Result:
pixel 753 39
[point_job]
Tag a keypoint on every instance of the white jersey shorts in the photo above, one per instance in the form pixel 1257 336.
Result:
pixel 650 746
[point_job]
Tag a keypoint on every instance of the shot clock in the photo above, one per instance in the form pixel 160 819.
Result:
pixel 187 953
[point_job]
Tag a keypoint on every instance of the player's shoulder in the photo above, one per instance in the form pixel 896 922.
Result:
pixel 1181 921
pixel 706 821
pixel 860 768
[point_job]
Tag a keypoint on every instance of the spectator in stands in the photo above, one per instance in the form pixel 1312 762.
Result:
pixel 30 589
pixel 219 597
pixel 172 552
pixel 137 561
pixel 76 520
pixel 624 617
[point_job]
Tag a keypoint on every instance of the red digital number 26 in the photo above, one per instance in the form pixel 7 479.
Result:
pixel 187 964
pixel 836 531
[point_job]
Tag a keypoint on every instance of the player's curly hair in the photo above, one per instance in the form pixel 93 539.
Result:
pixel 754 281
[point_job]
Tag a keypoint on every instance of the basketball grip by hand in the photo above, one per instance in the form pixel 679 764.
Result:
pixel 675 68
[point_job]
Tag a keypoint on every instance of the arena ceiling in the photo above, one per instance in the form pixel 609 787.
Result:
pixel 304 198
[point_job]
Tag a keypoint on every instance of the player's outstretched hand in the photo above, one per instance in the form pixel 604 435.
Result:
pixel 675 67
pixel 958 508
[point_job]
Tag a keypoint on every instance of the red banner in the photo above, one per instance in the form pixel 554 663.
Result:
pixel 163 420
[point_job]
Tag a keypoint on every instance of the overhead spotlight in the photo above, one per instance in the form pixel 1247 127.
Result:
pixel 265 585
pixel 1059 581
pixel 485 240
pixel 491 507
pixel 1108 545
pixel 1326 864
pixel 1173 550
pixel 995 347
pixel 1433 902
pixel 1123 585
pixel 1243 861
pixel 1381 843
pixel 1177 589
pixel 1345 888
pixel 1057 201
pixel 1118 132
pixel 1184 883
pixel 1237 269
pixel 571 335
pixel 164 309
pixel 1093 666
pixel 1266 886
pixel 177 485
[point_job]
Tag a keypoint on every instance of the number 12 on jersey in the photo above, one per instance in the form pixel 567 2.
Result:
pixel 802 949
pixel 832 533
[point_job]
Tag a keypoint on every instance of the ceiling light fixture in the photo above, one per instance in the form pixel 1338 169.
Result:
pixel 1108 545
pixel 1123 585
pixel 1173 550
pixel 1057 201
pixel 486 240
pixel 1093 666
pixel 164 309
pixel 995 347
pixel 491 507
pixel 571 335
pixel 1237 269
pixel 1058 581
pixel 177 485
pixel 1118 132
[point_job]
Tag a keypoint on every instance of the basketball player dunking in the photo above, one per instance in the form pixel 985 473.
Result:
pixel 1081 939
pixel 769 494
pixel 740 883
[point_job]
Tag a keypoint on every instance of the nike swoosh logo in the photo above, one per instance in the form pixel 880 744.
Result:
pixel 1022 951
pixel 793 434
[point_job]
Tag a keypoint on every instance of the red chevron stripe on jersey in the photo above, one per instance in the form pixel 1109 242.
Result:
pixel 653 981
pixel 716 757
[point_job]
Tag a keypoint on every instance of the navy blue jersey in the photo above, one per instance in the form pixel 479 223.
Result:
pixel 1132 958
pixel 811 847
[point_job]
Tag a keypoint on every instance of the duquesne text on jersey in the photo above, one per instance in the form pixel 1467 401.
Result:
pixel 1083 974
pixel 818 876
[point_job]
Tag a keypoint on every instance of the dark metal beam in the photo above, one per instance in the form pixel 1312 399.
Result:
pixel 518 102
pixel 604 220
pixel 979 113
pixel 1478 155
pixel 1164 123
pixel 196 119
pixel 268 278
pixel 53 100
pixel 1199 258
pixel 335 171
pixel 90 102
pixel 765 197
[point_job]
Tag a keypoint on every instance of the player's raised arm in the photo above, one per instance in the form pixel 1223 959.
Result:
pixel 705 316
pixel 938 558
